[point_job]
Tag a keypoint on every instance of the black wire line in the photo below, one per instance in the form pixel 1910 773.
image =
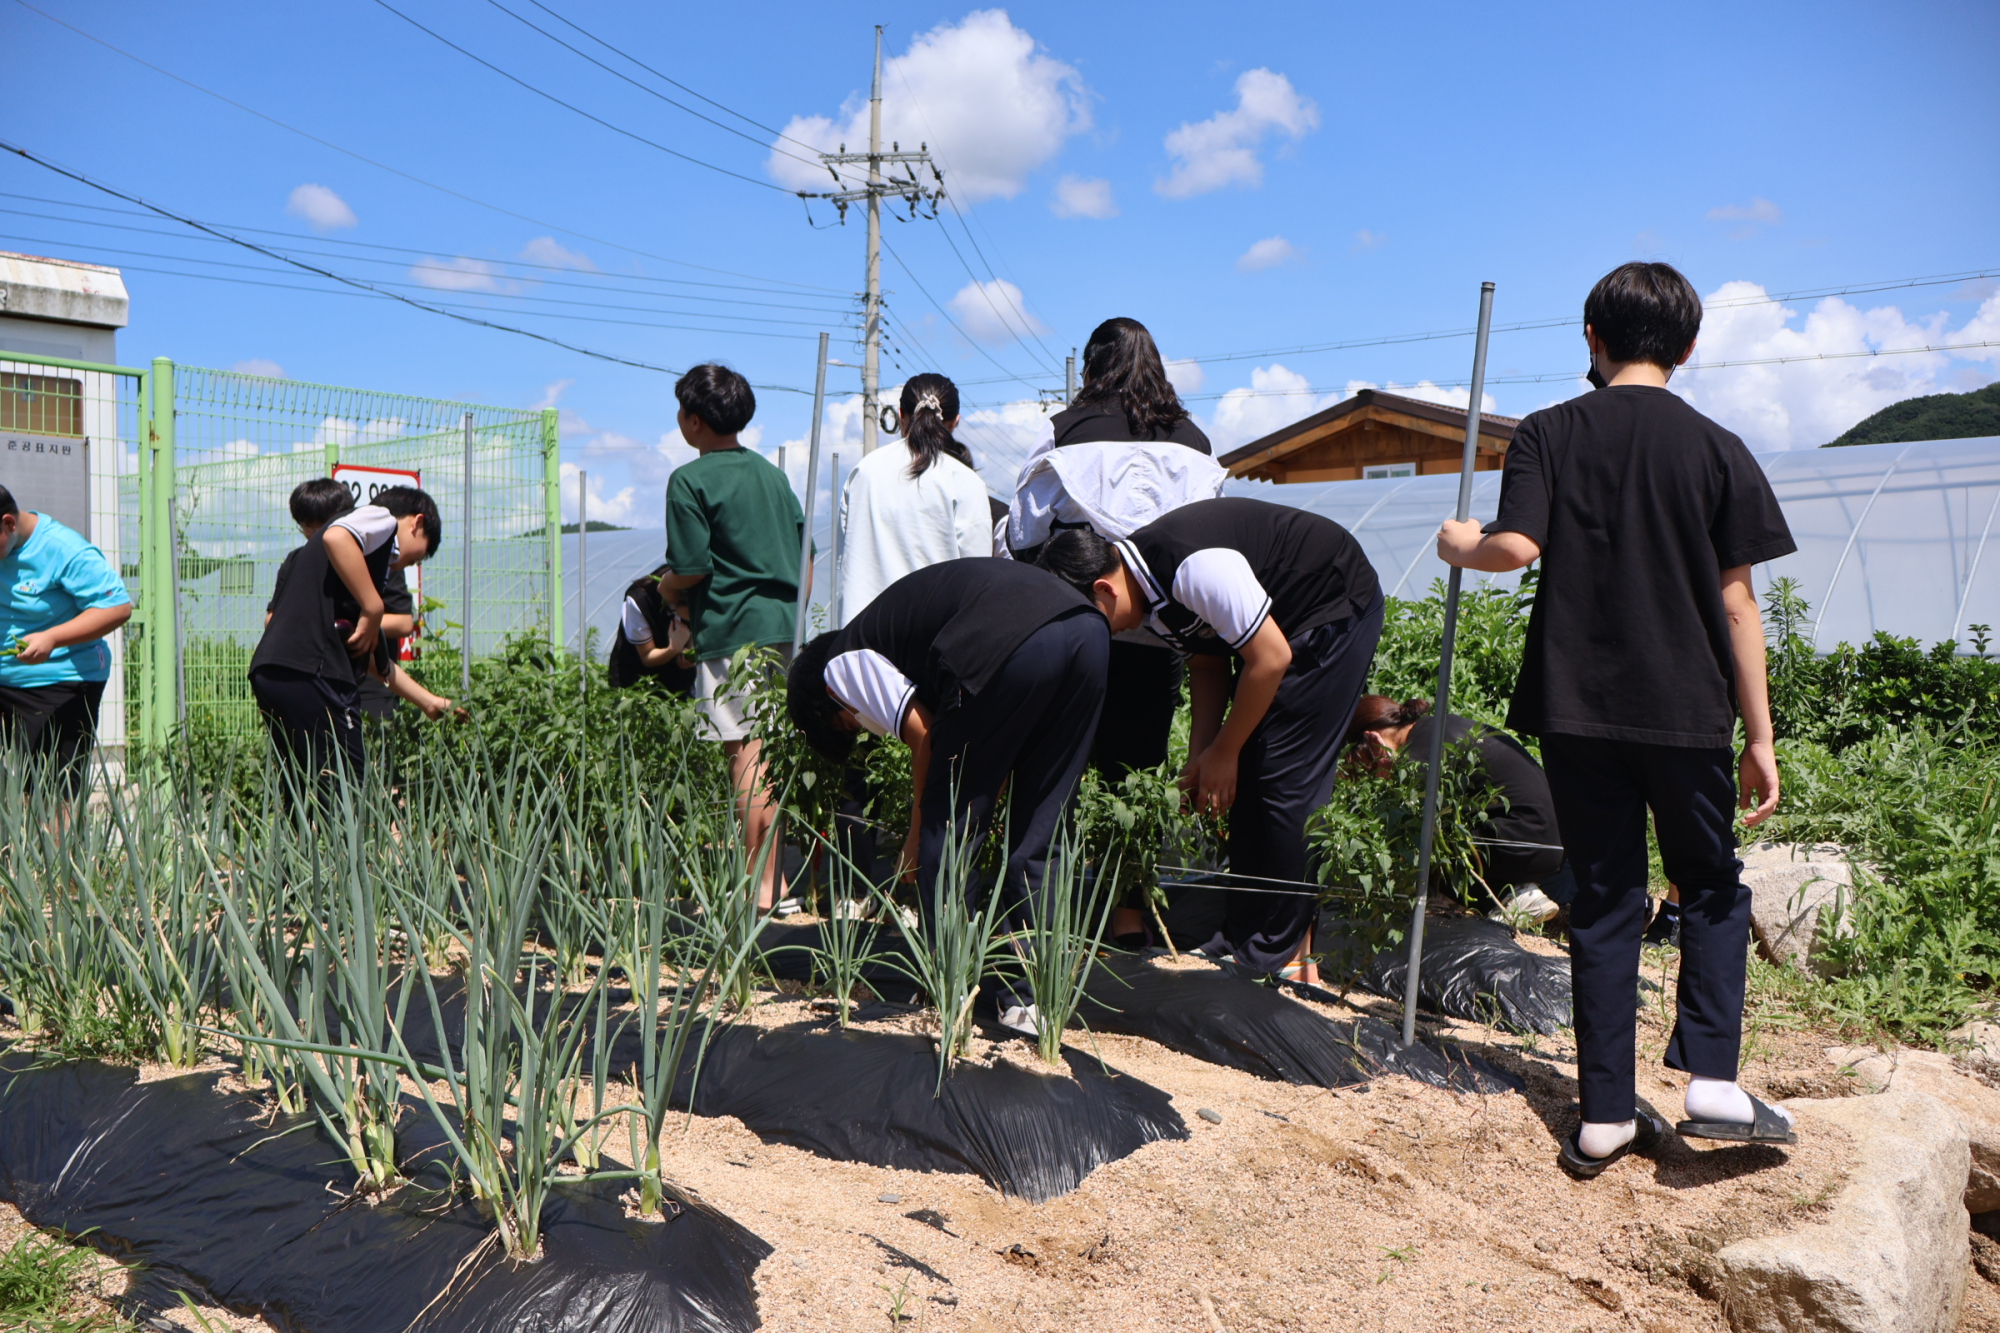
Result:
pixel 650 92
pixel 269 253
pixel 947 314
pixel 408 176
pixel 571 106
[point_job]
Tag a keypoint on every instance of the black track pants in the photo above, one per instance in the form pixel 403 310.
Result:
pixel 314 722
pixel 1032 723
pixel 1602 791
pixel 54 725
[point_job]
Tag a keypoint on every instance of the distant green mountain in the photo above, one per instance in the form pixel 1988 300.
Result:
pixel 1935 416
pixel 595 526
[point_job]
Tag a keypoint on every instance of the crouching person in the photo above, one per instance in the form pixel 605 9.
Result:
pixel 1292 598
pixel 993 673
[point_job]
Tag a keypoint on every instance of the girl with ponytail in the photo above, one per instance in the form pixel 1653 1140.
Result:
pixel 914 502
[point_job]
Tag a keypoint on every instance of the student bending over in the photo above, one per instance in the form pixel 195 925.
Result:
pixel 991 672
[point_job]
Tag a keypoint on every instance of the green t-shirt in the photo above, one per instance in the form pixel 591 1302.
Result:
pixel 732 516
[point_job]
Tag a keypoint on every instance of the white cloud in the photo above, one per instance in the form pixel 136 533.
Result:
pixel 240 449
pixel 257 365
pixel 991 107
pixel 1083 197
pixel 458 274
pixel 993 312
pixel 322 209
pixel 547 250
pixel 1368 240
pixel 1424 392
pixel 1278 396
pixel 1186 376
pixel 1269 253
pixel 1806 403
pixel 553 391
pixel 617 507
pixel 1222 150
pixel 1758 209
pixel 1001 438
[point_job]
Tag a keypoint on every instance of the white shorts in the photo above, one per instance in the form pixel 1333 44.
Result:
pixel 725 712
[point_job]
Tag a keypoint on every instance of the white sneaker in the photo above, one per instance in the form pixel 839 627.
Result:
pixel 852 909
pixel 1528 907
pixel 1023 1018
pixel 787 907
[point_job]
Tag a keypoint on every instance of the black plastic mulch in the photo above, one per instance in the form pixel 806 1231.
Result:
pixel 1475 969
pixel 252 1217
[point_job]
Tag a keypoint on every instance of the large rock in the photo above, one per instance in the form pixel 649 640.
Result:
pixel 1790 885
pixel 1891 1255
pixel 1976 1106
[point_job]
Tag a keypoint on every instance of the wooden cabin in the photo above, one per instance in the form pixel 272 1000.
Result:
pixel 1371 435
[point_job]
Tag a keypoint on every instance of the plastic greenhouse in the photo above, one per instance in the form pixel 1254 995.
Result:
pixel 1891 537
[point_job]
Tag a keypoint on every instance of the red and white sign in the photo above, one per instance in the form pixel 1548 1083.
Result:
pixel 364 484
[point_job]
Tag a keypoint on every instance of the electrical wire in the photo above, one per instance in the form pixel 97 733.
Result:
pixel 266 251
pixel 947 315
pixel 408 176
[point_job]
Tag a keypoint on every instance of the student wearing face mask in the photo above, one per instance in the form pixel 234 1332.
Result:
pixel 59 598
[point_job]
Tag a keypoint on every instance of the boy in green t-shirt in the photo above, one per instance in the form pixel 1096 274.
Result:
pixel 733 533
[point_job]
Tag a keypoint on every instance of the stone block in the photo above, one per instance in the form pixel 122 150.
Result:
pixel 1790 885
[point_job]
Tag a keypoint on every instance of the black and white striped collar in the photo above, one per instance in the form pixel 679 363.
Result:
pixel 1149 587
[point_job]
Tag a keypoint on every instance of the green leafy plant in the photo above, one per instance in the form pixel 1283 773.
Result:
pixel 1066 929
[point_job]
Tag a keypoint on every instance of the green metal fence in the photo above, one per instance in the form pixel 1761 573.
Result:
pixel 190 471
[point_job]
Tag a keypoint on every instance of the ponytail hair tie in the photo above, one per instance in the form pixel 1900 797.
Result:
pixel 929 399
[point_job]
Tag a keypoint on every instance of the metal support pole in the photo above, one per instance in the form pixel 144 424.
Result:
pixel 833 562
pixel 465 574
pixel 1069 378
pixel 582 570
pixel 552 519
pixel 871 355
pixel 812 490
pixel 163 619
pixel 1427 832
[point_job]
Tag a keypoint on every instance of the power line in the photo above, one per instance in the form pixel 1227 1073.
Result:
pixel 571 106
pixel 948 319
pixel 408 176
pixel 269 253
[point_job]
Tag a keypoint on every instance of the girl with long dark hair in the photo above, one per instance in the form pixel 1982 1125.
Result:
pixel 913 502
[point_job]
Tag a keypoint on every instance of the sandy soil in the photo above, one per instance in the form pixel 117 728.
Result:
pixel 1395 1206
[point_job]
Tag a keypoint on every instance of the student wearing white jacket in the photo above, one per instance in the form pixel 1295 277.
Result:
pixel 913 503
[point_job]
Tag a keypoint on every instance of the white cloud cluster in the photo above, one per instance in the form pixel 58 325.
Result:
pixel 1269 253
pixel 258 365
pixel 1083 197
pixel 457 274
pixel 616 507
pixel 1222 150
pixel 322 209
pixel 994 313
pixel 991 107
pixel 1186 376
pixel 549 251
pixel 1277 396
pixel 1802 404
pixel 1759 212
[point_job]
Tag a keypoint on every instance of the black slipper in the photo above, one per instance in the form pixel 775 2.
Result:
pixel 1769 1127
pixel 1651 1127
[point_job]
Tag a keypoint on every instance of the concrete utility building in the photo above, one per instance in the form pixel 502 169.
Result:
pixel 1372 436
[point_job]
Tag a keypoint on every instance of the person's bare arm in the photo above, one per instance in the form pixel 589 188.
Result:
pixel 654 656
pixel 1464 545
pixel 1757 770
pixel 1211 772
pixel 399 627
pixel 916 733
pixel 84 627
pixel 404 686
pixel 343 552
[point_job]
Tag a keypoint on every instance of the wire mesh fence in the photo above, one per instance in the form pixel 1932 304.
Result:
pixel 240 443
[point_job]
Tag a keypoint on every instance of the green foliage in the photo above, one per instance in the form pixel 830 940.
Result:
pixel 39 1277
pixel 1492 631
pixel 1934 416
pixel 1127 827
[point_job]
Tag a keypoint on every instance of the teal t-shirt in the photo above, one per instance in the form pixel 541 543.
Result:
pixel 732 516
pixel 52 577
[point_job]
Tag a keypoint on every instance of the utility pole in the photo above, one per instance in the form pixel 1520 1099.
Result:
pixel 878 187
pixel 1069 378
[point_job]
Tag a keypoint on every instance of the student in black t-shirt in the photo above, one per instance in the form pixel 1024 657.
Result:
pixel 993 673
pixel 1643 649
pixel 1520 843
pixel 325 626
pixel 1286 603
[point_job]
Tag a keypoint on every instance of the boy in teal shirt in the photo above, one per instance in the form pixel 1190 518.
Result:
pixel 733 532
pixel 59 598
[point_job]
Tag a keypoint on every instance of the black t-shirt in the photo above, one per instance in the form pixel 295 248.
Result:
pixel 1094 423
pixel 1529 818
pixel 1639 503
pixel 307 599
pixel 951 626
pixel 1213 570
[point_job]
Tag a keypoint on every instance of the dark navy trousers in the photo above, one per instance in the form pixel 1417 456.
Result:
pixel 1603 790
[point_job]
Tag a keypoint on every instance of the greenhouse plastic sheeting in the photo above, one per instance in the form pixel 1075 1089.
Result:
pixel 1892 537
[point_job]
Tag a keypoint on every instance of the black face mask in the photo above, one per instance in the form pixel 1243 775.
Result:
pixel 1596 380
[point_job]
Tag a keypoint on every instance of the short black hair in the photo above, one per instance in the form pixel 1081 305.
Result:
pixel 402 501
pixel 1644 312
pixel 812 708
pixel 1079 557
pixel 719 396
pixel 8 504
pixel 320 501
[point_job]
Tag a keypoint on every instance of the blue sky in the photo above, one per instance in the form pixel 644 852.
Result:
pixel 1247 180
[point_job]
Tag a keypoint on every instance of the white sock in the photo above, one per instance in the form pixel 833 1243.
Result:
pixel 1603 1140
pixel 1721 1101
